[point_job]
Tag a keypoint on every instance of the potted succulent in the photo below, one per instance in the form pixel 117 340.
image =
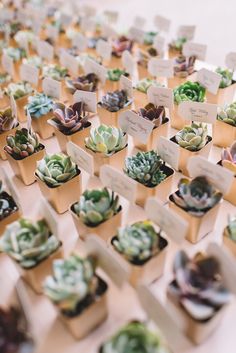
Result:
pixel 108 145
pixel 140 91
pixel 226 89
pixel 193 140
pixel 148 39
pixel 40 108
pixel 224 128
pixel 197 294
pixel 153 177
pixel 70 124
pixel 59 180
pixel 188 91
pixel 134 337
pixel 176 46
pixel 143 57
pixel 23 150
pixel 111 105
pixel 228 160
pixel 79 295
pixel 119 45
pixel 143 248
pixel 34 60
pixel 25 36
pixel 58 73
pixel 183 67
pixel 5 78
pixel 157 115
pixel 17 54
pixel 229 235
pixel 88 83
pixel 97 211
pixel 8 125
pixel 198 202
pixel 113 78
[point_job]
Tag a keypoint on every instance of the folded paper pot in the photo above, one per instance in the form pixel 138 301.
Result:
pixel 223 134
pixel 14 216
pixel 177 122
pixel 176 81
pixel 21 103
pixel 3 141
pixel 110 118
pixel 223 96
pixel 231 195
pixel 173 53
pixel 142 72
pixel 140 99
pixel 228 242
pixel 41 126
pixel 111 86
pixel 4 101
pixel 115 62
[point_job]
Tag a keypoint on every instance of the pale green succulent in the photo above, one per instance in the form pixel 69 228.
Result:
pixel 39 105
pixel 28 242
pixel 193 137
pixel 231 228
pixel 7 120
pixel 15 53
pixel 18 90
pixel 115 74
pixel 34 60
pixel 4 77
pixel 106 139
pixel 227 114
pixel 55 72
pixel 24 36
pixel 97 206
pixel 56 169
pixel 145 83
pixel 226 77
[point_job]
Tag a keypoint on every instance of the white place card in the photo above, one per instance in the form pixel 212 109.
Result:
pixel 7 64
pixel 159 44
pixel 128 62
pixel 161 67
pixel 45 50
pixel 13 106
pixel 88 98
pixel 169 151
pixel 126 84
pixel 162 23
pixel 47 212
pixel 36 26
pixel 88 24
pixel 195 111
pixel 29 120
pixel 52 88
pixel 195 49
pixel 29 74
pixel 6 14
pixel 161 96
pixel 136 34
pixel 52 32
pixel 209 79
pixel 111 16
pixel 80 42
pixel 92 66
pixel 104 49
pixel 139 21
pixel 89 11
pixel 108 31
pixel 230 60
pixel 65 19
pixel 83 159
pixel 187 32
pixel 69 61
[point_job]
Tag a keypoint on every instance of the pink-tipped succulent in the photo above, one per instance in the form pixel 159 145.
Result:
pixel 228 157
pixel 153 113
pixel 7 120
pixel 121 44
pixel 87 82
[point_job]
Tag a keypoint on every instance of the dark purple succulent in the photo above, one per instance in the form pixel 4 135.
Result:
pixel 184 66
pixel 153 113
pixel 87 82
pixel 114 101
pixel 121 44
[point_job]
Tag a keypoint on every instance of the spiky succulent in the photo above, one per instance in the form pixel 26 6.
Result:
pixel 106 139
pixel 177 44
pixel 228 157
pixel 7 120
pixel 7 204
pixel 34 60
pixel 55 72
pixel 114 101
pixel 22 144
pixel 189 91
pixel 198 285
pixel 119 45
pixel 146 168
pixel 97 206
pixel 226 77
pixel 134 337
pixel 87 82
pixel 231 228
pixel 193 137
pixel 153 113
pixel 196 196
pixel 115 74
pixel 39 105
pixel 227 114
pixel 56 169
pixel 15 53
pixel 18 90
pixel 73 281
pixel 4 78
pixel 184 66
pixel 149 37
pixel 145 83
pixel 28 242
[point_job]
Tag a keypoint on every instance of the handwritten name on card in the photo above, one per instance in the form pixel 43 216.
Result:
pixel 88 98
pixel 161 96
pixel 83 159
pixel 29 73
pixel 195 49
pixel 126 85
pixel 201 112
pixel 161 67
pixel 169 151
pixel 209 79
pixel 162 23
pixel 51 88
pixel 91 66
pixel 80 42
pixel 69 61
pixel 45 50
pixel 187 32
pixel 104 49
pixel 230 60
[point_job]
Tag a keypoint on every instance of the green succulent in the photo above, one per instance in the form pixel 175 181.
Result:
pixel 115 74
pixel 149 37
pixel 18 90
pixel 226 77
pixel 227 114
pixel 145 83
pixel 56 169
pixel 7 120
pixel 39 105
pixel 72 281
pixel 146 168
pixel 55 72
pixel 106 139
pixel 231 228
pixel 15 53
pixel 97 206
pixel 34 60
pixel 28 242
pixel 193 137
pixel 4 77
pixel 196 196
pixel 177 44
pixel 189 91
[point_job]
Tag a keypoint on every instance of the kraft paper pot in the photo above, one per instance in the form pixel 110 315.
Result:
pixel 162 130
pixel 12 217
pixel 231 194
pixel 142 72
pixel 173 53
pixel 186 154
pixel 176 81
pixel 4 101
pixel 198 227
pixel 41 126
pixel 223 96
pixel 115 62
pixel 111 118
pixel 223 134
pixel 140 99
pixel 228 242
pixel 176 121
pixel 103 230
pixel 90 317
pixel 149 270
pixel 21 103
pixel 111 86
pixel 62 196
pixel 25 168
pixel 3 139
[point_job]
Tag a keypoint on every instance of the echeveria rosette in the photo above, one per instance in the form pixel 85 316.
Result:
pixel 177 44
pixel 143 56
pixel 184 66
pixel 97 206
pixel 115 74
pixel 153 113
pixel 35 61
pixel 228 157
pixel 39 105
pixel 56 169
pixel 227 114
pixel 18 90
pixel 119 45
pixel 115 101
pixel 28 242
pixel 198 285
pixel 193 137
pixel 197 196
pixel 231 228
pixel 226 77
pixel 7 120
pixel 146 168
pixel 145 83
pixel 189 91
pixel 55 72
pixel 149 37
pixel 87 83
pixel 15 53
pixel 106 139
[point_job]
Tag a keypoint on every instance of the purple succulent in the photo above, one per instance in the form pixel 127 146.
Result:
pixel 153 113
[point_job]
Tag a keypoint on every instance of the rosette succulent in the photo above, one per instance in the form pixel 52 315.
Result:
pixel 143 56
pixel 119 45
pixel 231 228
pixel 227 114
pixel 24 36
pixel 184 66
pixel 226 77
pixel 106 139
pixel 115 74
pixel 39 105
pixel 153 113
pixel 192 137
pixel 18 90
pixel 34 60
pixel 87 82
pixel 4 78
pixel 177 44
pixel 28 243
pixel 228 157
pixel 97 206
pixel 146 168
pixel 145 83
pixel 55 72
pixel 198 285
pixel 56 169
pixel 7 120
pixel 22 144
pixel 189 91
pixel 196 196
pixel 15 27
pixel 7 204
pixel 149 37
pixel 115 101
pixel 15 53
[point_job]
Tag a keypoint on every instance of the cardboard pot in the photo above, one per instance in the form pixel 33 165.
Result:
pixel 41 126
pixel 111 118
pixel 21 103
pixel 223 134
pixel 223 96
pixel 140 99
pixel 177 122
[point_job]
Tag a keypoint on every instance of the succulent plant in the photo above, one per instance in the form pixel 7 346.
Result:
pixel 55 72
pixel 7 204
pixel 143 56
pixel 114 101
pixel 106 139
pixel 196 196
pixel 15 27
pixel 15 53
pixel 34 60
pixel 193 137
pixel 4 77
pixel 72 282
pixel 28 243
pixel 26 36
pixel 134 337
pixel 145 83
pixel 146 168
pixel 39 105
pixel 189 91
pixel 228 157
pixel 18 90
pixel 231 228
pixel 177 44
pixel 87 82
pixel 115 74
pixel 198 285
pixel 227 114
pixel 153 113
pixel 184 66
pixel 7 120
pixel 97 206
pixel 119 45
pixel 149 37
pixel 56 169
pixel 226 77
pixel 22 144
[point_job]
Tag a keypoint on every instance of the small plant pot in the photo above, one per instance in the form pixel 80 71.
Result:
pixel 25 168
pixel 186 154
pixel 115 62
pixel 176 81
pixel 142 72
pixel 103 230
pixel 111 86
pixel 3 139
pixel 62 196
pixel 231 194
pixel 223 96
pixel 176 121
pixel 149 270
pixel 173 53
pixel 162 130
pixel 140 99
pixel 223 134
pixel 21 103
pixel 228 242
pixel 13 216
pixel 198 227
pixel 41 126
pixel 4 102
pixel 111 118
